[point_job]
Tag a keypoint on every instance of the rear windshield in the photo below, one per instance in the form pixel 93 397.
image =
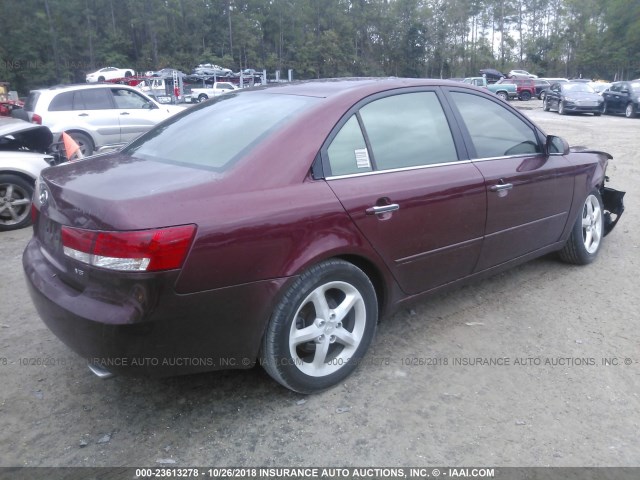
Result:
pixel 32 99
pixel 214 135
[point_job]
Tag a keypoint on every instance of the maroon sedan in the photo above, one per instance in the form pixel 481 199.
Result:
pixel 276 225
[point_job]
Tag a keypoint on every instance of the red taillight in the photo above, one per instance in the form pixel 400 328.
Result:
pixel 35 118
pixel 141 250
pixel 34 214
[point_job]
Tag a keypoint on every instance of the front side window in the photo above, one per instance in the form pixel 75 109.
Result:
pixel 406 130
pixel 127 99
pixel 494 130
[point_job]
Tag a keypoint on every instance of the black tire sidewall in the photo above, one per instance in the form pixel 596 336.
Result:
pixel 276 341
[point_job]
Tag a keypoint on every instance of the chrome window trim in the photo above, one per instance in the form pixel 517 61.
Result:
pixel 508 156
pixel 402 169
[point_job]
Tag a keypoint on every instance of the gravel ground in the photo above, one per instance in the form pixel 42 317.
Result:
pixel 418 401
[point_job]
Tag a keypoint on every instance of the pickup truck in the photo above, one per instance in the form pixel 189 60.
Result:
pixel 506 91
pixel 218 88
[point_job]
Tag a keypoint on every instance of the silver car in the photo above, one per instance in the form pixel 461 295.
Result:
pixel 96 115
pixel 23 155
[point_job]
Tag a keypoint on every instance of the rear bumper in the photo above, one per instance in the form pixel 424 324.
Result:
pixel 167 334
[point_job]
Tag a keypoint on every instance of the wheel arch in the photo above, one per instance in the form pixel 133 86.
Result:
pixel 375 276
pixel 21 174
pixel 83 132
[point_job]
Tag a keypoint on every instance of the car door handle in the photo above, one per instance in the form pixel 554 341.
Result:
pixel 379 209
pixel 501 186
pixel 124 113
pixel 83 114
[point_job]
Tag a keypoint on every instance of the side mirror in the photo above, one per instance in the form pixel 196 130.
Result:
pixel 556 146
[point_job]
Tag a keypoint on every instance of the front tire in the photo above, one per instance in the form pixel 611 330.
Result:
pixel 525 96
pixel 321 328
pixel 561 109
pixel 15 202
pixel 586 236
pixel 630 111
pixel 545 105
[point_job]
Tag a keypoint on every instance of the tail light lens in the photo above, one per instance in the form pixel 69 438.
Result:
pixel 137 251
pixel 35 118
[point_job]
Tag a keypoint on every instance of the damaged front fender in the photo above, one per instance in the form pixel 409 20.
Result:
pixel 613 207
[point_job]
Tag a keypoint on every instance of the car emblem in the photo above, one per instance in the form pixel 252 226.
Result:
pixel 44 195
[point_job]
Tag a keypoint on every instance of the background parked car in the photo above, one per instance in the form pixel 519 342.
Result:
pixel 109 73
pixel 573 97
pixel 600 87
pixel 525 87
pixel 208 69
pixel 223 240
pixel 23 148
pixel 540 86
pixel 96 115
pixel 551 81
pixel 623 97
pixel 522 73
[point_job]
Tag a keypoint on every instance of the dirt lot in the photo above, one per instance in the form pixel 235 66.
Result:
pixel 415 403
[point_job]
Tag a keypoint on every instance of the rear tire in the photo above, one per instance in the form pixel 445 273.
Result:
pixel 15 202
pixel 583 245
pixel 84 142
pixel 503 95
pixel 525 96
pixel 321 328
pixel 202 98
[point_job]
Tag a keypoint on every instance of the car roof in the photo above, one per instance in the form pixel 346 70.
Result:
pixel 79 86
pixel 326 88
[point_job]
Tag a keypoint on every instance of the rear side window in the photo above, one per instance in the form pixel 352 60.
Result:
pixel 92 99
pixel 62 102
pixel 348 151
pixel 405 130
pixel 494 130
pixel 408 130
pixel 215 135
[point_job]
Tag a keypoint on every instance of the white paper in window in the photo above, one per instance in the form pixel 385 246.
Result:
pixel 362 158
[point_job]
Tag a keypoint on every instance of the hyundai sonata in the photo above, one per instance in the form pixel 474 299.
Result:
pixel 278 224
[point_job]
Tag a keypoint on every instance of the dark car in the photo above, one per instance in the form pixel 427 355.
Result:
pixel 525 86
pixel 623 97
pixel 230 241
pixel 573 97
pixel 540 86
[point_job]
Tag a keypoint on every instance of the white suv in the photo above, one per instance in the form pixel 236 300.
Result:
pixel 96 116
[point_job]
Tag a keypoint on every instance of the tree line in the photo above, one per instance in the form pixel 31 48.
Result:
pixel 46 42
